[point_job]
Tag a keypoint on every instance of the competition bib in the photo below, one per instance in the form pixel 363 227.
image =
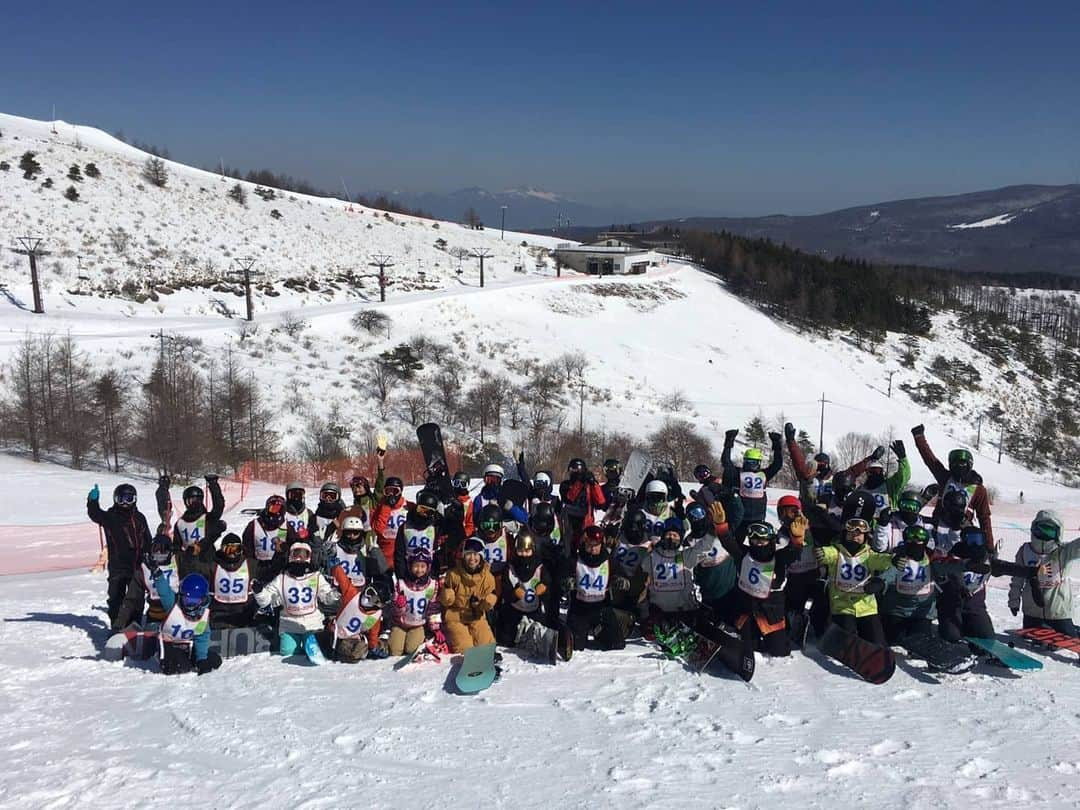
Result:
pixel 628 557
pixel 190 532
pixel 416 539
pixel 1046 567
pixel 529 602
pixel 296 521
pixel 591 582
pixel 231 587
pixel 973 582
pixel 352 621
pixel 915 579
pixel 495 552
pixel 299 595
pixel 654 524
pixel 266 544
pixel 416 604
pixel 394 522
pixel 756 578
pixel 353 567
pixel 716 555
pixel 851 574
pixel 752 485
pixel 178 628
pixel 169 571
pixel 668 574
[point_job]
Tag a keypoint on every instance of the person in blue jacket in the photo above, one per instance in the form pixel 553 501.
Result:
pixel 185 632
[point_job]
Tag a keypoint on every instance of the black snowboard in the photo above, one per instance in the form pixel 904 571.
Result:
pixel 873 663
pixel 940 655
pixel 724 646
pixel 437 472
pixel 516 491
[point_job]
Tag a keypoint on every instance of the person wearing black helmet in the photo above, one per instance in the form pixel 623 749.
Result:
pixel 589 581
pixel 819 472
pixel 126 535
pixel 196 528
pixel 184 636
pixel 543 527
pixel 716 573
pixel 496 540
pixel 297 515
pixel 581 496
pixel 422 529
pixel 671 595
pixel 520 621
pixel 266 537
pixel 460 485
pixel 962 498
pixel 330 507
pixel 158 555
pixel 233 603
pixel 612 477
pixel 389 516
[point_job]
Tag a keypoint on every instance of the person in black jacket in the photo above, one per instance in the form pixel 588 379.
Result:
pixel 233 602
pixel 750 479
pixel 141 593
pixel 588 581
pixel 126 534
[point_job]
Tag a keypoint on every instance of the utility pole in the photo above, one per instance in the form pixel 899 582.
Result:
pixel 978 432
pixel 382 261
pixel 891 373
pixel 821 428
pixel 1001 441
pixel 31 247
pixel 502 234
pixel 244 275
pixel 581 407
pixel 481 254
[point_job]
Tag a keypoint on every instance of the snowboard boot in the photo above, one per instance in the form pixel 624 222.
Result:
pixel 535 639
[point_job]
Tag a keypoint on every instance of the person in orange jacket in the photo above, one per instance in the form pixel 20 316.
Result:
pixel 389 515
pixel 355 629
pixel 467 594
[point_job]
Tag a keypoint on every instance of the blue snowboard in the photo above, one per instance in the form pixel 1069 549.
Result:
pixel 477 670
pixel 1004 654
pixel 312 650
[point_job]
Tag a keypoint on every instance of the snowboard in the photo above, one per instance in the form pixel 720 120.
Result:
pixel 228 642
pixel 634 473
pixel 312 650
pixel 477 670
pixel 436 470
pixel 516 491
pixel 940 655
pixel 1047 637
pixel 871 662
pixel 719 643
pixel 139 645
pixel 1004 654
pixel 425 652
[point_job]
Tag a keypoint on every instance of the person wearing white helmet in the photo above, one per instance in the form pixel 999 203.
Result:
pixel 543 485
pixel 657 509
pixel 489 493
pixel 299 591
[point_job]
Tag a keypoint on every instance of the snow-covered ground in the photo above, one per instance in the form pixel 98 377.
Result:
pixel 620 729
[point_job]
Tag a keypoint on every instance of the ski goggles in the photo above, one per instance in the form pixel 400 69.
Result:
pixel 352 537
pixel 126 498
pixel 192 603
pixel 1046 531
pixel 857 526
pixel 612 469
pixel 299 555
pixel 916 534
pixel 359 481
pixel 329 496
pixel 910 505
pixel 759 531
pixel 490 526
pixel 491 479
pixel 275 506
pixel 392 492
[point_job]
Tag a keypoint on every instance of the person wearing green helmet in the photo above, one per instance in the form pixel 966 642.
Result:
pixel 751 479
pixel 908 512
pixel 1048 557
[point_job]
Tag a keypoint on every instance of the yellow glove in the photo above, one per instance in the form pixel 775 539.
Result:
pixel 717 513
pixel 797 528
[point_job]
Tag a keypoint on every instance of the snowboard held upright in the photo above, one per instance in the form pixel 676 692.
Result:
pixel 436 469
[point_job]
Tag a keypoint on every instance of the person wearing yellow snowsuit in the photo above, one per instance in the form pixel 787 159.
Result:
pixel 852 568
pixel 467 594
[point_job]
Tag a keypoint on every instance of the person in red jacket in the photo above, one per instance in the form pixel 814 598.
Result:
pixel 819 471
pixel 580 495
pixel 389 515
pixel 962 498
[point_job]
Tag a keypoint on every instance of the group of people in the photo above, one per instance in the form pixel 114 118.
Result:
pixel 588 565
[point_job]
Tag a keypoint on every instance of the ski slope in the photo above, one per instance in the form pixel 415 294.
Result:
pixel 619 729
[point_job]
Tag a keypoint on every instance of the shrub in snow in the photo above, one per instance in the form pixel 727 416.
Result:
pixel 238 194
pixel 72 193
pixel 74 173
pixel 47 183
pixel 154 172
pixel 29 166
pixel 91 170
pixel 275 213
pixel 4 166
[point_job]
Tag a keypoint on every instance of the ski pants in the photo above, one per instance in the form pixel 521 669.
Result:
pixel 289 643
pixel 725 608
pixel 405 640
pixel 960 615
pixel 462 636
pixel 1064 626
pixel 776 643
pixel 506 623
pixel 867 628
pixel 118 585
pixel 597 620
pixel 896 627
pixel 808 587
pixel 180 658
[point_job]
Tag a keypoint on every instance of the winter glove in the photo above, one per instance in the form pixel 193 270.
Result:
pixel 620 585
pixel 1014 609
pixel 879 451
pixel 774 437
pixel 717 514
pixel 438 637
pixel 678 509
pixel 94 494
pixel 978 567
pixel 874 585
pixel 203 666
pixel 611 530
pixel 256 586
pixel 211 478
pixel 541 589
pixel 568 584
pixel 729 437
pixel 789 432
pixel 399 602
pixel 899 562
pixel 918 430
pixel 380 452
pixel 899 450
pixel 519 593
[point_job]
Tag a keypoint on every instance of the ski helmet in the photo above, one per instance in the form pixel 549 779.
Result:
pixel 159 552
pixel 370 599
pixel 193 497
pixel 393 488
pixel 194 595
pixel 634 527
pixel 419 555
pixel 700 523
pixel 593 535
pixel 474 545
pixel 576 465
pixel 494 471
pixel 542 482
pixel 859 504
pixel 125 496
pixel 231 548
pixel 656 487
pixel 751 459
pixel 909 505
pixel 360 482
pixel 823 461
pixel 841 486
pixel 524 543
pixel 542 519
pixel 702 473
pixel 295 486
pixel 929 492
pixel 961 463
pixel 352 534
pixel 916 541
pixel 299 552
pixel 329 492
pixel 460 483
pixel 761 537
pixel 954 502
pixel 612 467
pixel 274 512
pixel 489 521
pixel 427 503
pixel 784 508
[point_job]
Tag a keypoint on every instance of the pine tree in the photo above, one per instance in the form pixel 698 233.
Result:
pixel 754 432
pixel 74 173
pixel 29 166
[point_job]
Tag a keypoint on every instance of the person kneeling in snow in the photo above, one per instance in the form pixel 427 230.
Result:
pixel 668 567
pixel 355 630
pixel 185 632
pixel 416 605
pixel 525 581
pixel 468 593
pixel 589 583
pixel 299 591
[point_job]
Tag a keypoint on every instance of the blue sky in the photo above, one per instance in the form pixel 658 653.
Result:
pixel 691 107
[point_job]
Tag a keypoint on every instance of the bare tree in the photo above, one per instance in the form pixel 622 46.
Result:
pixel 109 402
pixel 679 442
pixel 459 253
pixel 370 320
pixel 573 364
